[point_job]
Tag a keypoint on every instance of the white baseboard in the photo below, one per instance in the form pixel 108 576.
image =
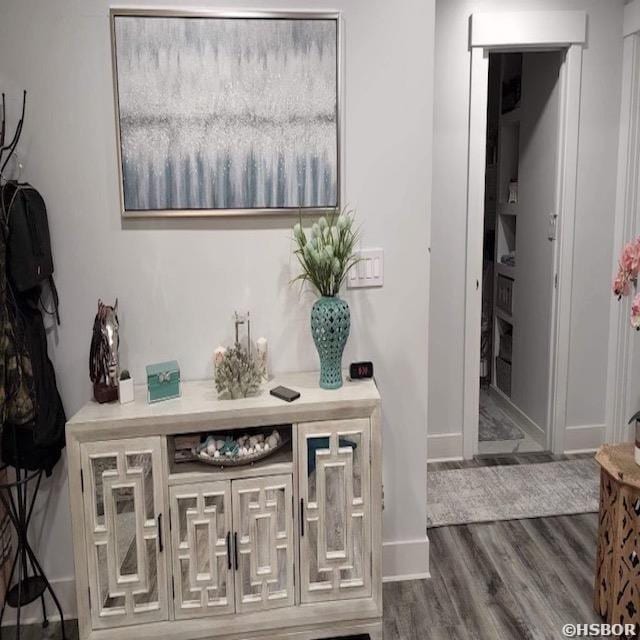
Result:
pixel 584 438
pixel 405 560
pixel 65 590
pixel 444 446
pixel 534 430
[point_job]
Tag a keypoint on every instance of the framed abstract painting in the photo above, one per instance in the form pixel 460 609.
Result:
pixel 226 113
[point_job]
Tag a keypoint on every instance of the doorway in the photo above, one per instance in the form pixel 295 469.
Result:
pixel 540 336
pixel 518 251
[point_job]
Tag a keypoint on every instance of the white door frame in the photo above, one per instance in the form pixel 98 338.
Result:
pixel 518 31
pixel 626 225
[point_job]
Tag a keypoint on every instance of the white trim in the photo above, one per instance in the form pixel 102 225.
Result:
pixel 567 184
pixel 65 590
pixel 631 20
pixel 522 420
pixel 528 29
pixel 584 438
pixel 475 224
pixel 517 31
pixel 403 559
pixel 626 225
pixel 443 447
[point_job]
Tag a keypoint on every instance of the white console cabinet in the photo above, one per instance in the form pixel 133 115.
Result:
pixel 286 548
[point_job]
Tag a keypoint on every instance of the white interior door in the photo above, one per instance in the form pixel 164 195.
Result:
pixel 263 543
pixel 201 549
pixel 123 507
pixel 334 477
pixel 535 250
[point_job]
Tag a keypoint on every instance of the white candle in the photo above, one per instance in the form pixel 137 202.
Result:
pixel 218 357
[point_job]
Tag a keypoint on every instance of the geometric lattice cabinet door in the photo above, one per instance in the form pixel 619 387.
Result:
pixel 335 509
pixel 201 549
pixel 263 543
pixel 123 510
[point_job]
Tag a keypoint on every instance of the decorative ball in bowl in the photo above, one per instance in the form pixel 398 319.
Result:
pixel 226 451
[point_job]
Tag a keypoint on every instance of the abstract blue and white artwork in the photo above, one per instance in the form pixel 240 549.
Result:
pixel 224 113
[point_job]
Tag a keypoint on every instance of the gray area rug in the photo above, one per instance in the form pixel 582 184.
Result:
pixel 494 423
pixel 512 492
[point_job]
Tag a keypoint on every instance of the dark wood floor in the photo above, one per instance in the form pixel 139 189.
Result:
pixel 509 580
pixel 499 581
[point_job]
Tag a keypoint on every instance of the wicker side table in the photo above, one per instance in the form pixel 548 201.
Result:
pixel 617 584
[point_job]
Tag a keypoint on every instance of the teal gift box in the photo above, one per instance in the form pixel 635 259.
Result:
pixel 163 381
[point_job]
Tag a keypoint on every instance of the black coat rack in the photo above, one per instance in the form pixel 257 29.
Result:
pixel 18 497
pixel 10 148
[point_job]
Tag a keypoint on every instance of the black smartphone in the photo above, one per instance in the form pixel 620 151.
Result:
pixel 285 394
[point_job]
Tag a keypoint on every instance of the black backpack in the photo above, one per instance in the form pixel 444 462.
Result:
pixel 36 444
pixel 29 257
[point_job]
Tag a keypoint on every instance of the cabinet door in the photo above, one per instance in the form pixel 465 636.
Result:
pixel 335 510
pixel 263 542
pixel 201 549
pixel 123 508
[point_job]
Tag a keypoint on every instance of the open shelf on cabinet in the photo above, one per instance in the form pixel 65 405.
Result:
pixel 503 315
pixel 279 462
pixel 506 230
pixel 507 208
pixel 506 270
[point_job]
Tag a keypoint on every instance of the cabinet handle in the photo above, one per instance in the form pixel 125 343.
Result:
pixel 301 517
pixel 235 548
pixel 229 566
pixel 160 545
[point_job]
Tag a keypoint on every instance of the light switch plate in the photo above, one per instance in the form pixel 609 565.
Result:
pixel 369 271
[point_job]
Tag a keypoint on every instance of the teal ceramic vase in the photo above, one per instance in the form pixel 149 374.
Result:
pixel 330 325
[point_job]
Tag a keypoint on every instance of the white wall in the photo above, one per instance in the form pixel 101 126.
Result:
pixel 602 62
pixel 179 282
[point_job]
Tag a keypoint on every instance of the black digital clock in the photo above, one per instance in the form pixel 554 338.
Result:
pixel 359 370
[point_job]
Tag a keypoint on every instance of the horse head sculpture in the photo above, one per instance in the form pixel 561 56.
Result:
pixel 104 365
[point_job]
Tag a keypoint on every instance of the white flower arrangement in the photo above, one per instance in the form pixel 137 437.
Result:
pixel 327 251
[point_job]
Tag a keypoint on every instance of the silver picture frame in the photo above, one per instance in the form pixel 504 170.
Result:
pixel 294 210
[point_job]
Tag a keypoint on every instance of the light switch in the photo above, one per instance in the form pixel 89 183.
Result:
pixel 369 271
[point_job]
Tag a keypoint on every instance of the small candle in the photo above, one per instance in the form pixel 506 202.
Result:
pixel 218 356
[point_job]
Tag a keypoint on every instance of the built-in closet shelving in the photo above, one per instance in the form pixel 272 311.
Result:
pixel 506 218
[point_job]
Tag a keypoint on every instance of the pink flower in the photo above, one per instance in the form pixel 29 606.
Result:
pixel 621 285
pixel 630 259
pixel 635 312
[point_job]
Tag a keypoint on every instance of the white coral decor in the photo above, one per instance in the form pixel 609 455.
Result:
pixel 238 374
